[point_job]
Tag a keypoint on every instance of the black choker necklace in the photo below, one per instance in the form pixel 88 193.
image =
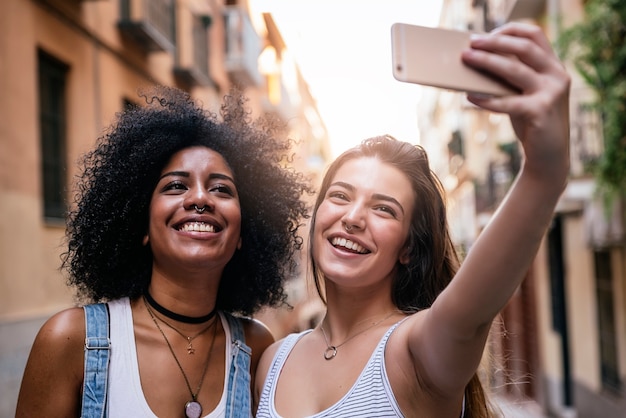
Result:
pixel 178 317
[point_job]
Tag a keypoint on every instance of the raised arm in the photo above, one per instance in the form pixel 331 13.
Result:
pixel 449 342
pixel 51 386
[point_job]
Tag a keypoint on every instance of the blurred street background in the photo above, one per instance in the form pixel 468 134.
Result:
pixel 324 67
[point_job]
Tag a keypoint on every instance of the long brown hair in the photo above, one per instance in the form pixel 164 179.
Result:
pixel 433 258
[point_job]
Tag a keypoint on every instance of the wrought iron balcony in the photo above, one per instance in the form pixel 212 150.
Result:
pixel 149 23
pixel 192 61
pixel 243 47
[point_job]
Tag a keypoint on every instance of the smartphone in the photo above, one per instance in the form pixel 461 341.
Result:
pixel 432 57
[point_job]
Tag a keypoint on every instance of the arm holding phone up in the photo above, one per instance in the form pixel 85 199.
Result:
pixel 447 344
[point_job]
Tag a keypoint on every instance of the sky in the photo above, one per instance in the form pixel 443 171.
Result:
pixel 343 49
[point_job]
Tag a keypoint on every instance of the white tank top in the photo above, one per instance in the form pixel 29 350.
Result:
pixel 370 396
pixel 125 394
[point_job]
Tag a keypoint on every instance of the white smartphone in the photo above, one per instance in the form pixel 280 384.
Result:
pixel 432 57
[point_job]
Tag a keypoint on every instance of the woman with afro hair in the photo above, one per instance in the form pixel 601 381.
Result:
pixel 184 224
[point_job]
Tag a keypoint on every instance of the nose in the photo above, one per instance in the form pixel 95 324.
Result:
pixel 199 199
pixel 354 218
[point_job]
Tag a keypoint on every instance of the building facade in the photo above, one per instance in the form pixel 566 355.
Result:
pixel 66 68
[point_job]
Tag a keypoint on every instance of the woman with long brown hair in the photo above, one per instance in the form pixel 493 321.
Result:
pixel 406 324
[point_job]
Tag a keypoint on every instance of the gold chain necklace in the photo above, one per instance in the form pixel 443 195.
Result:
pixel 331 350
pixel 193 408
pixel 189 338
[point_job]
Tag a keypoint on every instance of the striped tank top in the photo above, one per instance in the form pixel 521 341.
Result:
pixel 370 396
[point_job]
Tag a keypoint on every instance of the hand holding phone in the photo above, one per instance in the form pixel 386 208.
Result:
pixel 432 57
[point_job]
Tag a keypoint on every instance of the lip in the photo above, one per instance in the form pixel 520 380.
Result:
pixel 365 249
pixel 200 219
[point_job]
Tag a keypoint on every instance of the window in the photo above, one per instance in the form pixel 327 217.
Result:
pixel 609 366
pixel 150 23
pixel 201 43
pixel 52 125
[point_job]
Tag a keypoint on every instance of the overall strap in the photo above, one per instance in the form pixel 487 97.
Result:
pixel 238 404
pixel 97 353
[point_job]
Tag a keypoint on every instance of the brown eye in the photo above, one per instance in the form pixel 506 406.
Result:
pixel 174 186
pixel 222 189
pixel 386 209
pixel 338 195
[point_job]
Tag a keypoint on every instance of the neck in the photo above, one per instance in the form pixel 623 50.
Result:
pixel 347 308
pixel 342 328
pixel 176 316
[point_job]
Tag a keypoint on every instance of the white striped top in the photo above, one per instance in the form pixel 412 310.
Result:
pixel 370 396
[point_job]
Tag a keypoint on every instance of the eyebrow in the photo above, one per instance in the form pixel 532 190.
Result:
pixel 376 196
pixel 212 176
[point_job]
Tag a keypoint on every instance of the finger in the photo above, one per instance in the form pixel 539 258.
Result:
pixel 507 68
pixel 523 49
pixel 496 104
pixel 524 30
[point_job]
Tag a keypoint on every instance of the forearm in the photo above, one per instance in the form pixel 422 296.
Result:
pixel 504 251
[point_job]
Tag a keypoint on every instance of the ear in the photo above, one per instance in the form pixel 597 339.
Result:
pixel 405 256
pixel 145 240
pixel 239 244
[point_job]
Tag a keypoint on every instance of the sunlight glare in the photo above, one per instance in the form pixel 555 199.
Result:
pixel 343 49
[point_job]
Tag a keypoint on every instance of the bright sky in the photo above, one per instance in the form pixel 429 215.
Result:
pixel 343 48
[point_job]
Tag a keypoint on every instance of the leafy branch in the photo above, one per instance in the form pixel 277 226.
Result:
pixel 597 49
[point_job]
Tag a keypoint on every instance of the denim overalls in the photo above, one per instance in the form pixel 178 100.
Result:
pixel 97 352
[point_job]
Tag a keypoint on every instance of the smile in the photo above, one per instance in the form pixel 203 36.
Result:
pixel 348 245
pixel 196 227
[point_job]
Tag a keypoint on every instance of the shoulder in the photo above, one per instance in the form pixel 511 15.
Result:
pixel 258 338
pixel 53 376
pixel 270 352
pixel 258 335
pixel 62 337
pixel 63 329
pixel 405 342
pixel 264 367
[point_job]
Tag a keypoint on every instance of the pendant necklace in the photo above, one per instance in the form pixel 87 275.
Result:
pixel 189 338
pixel 331 350
pixel 193 408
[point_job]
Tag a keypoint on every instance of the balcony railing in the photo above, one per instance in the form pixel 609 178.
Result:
pixel 149 23
pixel 243 47
pixel 192 65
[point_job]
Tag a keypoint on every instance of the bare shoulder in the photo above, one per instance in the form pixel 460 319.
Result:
pixel 63 333
pixel 266 360
pixel 270 352
pixel 53 376
pixel 258 335
pixel 68 322
pixel 410 355
pixel 263 368
pixel 402 350
pixel 258 338
pixel 410 326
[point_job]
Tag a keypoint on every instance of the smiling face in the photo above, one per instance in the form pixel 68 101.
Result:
pixel 375 201
pixel 181 239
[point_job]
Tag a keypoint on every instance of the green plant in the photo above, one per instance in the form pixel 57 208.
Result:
pixel 597 49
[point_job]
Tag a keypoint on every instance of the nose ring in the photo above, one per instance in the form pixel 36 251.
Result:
pixel 199 210
pixel 348 228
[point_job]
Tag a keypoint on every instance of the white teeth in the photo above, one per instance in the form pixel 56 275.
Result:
pixel 350 245
pixel 197 227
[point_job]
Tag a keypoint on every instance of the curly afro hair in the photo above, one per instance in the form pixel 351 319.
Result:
pixel 106 259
